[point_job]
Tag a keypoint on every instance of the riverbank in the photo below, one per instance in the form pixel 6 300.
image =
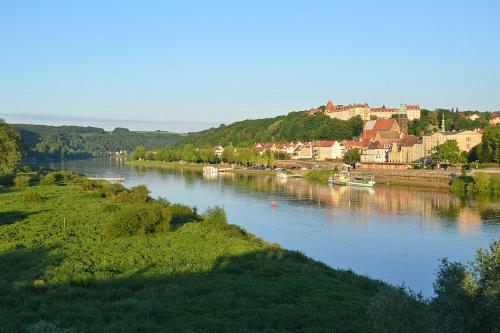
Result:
pixel 199 275
pixel 196 167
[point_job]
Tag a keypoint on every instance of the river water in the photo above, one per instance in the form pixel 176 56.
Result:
pixel 394 234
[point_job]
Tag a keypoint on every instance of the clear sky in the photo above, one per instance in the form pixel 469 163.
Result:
pixel 186 65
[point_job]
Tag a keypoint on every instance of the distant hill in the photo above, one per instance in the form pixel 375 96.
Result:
pixel 55 142
pixel 292 127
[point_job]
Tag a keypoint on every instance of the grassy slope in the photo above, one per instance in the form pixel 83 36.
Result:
pixel 56 266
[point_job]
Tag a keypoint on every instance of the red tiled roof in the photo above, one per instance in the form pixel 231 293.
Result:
pixel 352 143
pixel 413 107
pixel 383 124
pixel 329 105
pixel 383 109
pixel 408 141
pixel 324 143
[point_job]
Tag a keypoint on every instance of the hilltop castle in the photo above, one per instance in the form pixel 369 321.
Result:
pixel 345 112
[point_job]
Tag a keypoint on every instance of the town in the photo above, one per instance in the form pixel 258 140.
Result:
pixel 384 142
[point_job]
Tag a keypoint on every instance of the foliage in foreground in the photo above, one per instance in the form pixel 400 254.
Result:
pixel 479 183
pixel 10 151
pixel 467 300
pixel 62 273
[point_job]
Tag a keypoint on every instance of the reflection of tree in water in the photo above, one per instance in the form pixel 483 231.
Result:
pixel 429 204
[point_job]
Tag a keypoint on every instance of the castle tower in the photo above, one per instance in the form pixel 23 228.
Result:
pixel 402 119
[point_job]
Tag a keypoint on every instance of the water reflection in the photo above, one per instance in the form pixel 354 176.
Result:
pixel 431 206
pixel 394 234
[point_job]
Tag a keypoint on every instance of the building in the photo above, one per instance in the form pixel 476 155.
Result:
pixel 372 127
pixel 365 112
pixel 473 116
pixel 495 119
pixel 321 150
pixel 374 153
pixel 219 150
pixel 405 151
pixel 466 140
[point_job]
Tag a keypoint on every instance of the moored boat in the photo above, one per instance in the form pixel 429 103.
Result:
pixel 352 179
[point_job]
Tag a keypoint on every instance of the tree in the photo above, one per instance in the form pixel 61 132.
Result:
pixel 489 148
pixel 10 151
pixel 352 154
pixel 139 153
pixel 448 152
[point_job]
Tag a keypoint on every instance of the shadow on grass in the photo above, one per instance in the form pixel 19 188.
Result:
pixel 261 291
pixel 11 217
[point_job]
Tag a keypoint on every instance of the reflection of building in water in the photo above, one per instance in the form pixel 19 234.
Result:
pixel 432 206
pixel 390 201
pixel 468 220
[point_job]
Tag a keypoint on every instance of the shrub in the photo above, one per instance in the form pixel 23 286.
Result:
pixel 140 219
pixel 32 196
pixel 22 181
pixel 136 194
pixel 182 214
pixel 460 184
pixel 495 185
pixel 482 182
pixel 468 297
pixel 7 179
pixel 216 215
pixel 399 310
pixel 48 179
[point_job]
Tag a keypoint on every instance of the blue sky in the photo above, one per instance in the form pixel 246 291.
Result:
pixel 187 65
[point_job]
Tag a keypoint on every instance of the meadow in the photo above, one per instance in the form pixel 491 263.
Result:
pixel 62 270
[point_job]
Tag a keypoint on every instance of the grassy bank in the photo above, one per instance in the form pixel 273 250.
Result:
pixel 166 165
pixel 62 272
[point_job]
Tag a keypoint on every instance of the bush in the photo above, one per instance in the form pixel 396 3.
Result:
pixel 468 297
pixel 216 215
pixel 32 196
pixel 399 310
pixel 7 179
pixel 460 184
pixel 22 181
pixel 482 182
pixel 140 219
pixel 136 194
pixel 48 179
pixel 182 214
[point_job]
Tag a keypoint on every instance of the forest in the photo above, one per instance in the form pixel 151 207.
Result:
pixel 73 142
pixel 295 126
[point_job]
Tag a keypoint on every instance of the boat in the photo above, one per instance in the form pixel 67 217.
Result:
pixel 281 175
pixel 352 179
pixel 339 179
pixel 210 170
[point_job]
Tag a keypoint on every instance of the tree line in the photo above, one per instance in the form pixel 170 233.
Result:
pixel 189 153
pixel 295 126
pixel 71 142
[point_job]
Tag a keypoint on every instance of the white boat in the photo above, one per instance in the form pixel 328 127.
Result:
pixel 352 179
pixel 211 170
pixel 281 175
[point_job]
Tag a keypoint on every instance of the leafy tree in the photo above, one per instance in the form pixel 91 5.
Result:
pixel 139 153
pixel 468 297
pixel 352 154
pixel 448 152
pixel 10 151
pixel 489 149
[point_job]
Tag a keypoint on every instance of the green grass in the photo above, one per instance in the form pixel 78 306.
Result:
pixel 59 273
pixel 166 165
pixel 253 172
pixel 319 175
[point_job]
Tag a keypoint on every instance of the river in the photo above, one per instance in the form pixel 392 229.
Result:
pixel 394 234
